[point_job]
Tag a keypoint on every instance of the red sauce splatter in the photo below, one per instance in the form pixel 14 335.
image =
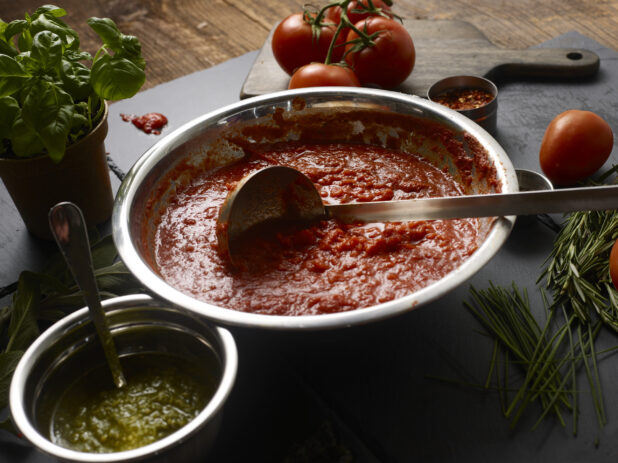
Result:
pixel 330 267
pixel 148 123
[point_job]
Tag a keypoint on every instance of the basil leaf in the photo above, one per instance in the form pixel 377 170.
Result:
pixel 73 55
pixel 107 30
pixel 24 42
pixel 132 50
pixel 50 23
pixel 47 50
pixel 115 78
pixel 6 45
pixel 13 28
pixel 76 79
pixel 23 328
pixel 12 76
pixel 49 111
pixel 8 363
pixel 50 9
pixel 25 141
pixel 9 110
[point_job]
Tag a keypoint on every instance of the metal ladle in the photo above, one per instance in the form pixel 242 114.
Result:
pixel 279 193
pixel 68 227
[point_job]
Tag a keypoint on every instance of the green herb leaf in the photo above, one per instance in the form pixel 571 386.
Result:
pixel 13 76
pixel 76 79
pixel 24 42
pixel 49 110
pixel 25 141
pixel 116 78
pixel 23 328
pixel 48 22
pixel 8 363
pixel 72 55
pixel 9 109
pixel 47 50
pixel 6 45
pixel 14 28
pixel 50 9
pixel 107 30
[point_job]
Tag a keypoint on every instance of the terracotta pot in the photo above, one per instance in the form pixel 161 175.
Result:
pixel 82 177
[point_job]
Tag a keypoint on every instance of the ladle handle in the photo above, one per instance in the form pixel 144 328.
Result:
pixel 490 205
pixel 68 227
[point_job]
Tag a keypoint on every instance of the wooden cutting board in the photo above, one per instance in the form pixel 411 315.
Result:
pixel 446 48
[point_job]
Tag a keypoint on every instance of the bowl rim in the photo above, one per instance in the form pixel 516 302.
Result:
pixel 17 399
pixel 126 195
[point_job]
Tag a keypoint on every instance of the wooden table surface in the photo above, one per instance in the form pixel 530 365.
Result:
pixel 183 36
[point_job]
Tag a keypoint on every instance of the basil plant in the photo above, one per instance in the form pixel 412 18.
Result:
pixel 51 92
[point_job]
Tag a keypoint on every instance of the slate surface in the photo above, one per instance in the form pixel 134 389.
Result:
pixel 365 391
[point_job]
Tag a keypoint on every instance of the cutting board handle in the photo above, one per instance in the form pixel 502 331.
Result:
pixel 550 63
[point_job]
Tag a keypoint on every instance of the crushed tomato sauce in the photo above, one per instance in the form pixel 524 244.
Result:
pixel 329 267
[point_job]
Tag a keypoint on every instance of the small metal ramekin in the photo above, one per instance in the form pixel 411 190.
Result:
pixel 486 116
pixel 138 324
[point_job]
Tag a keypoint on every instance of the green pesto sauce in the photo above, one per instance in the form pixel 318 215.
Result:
pixel 163 393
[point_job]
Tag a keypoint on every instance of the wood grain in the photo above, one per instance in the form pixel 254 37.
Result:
pixel 183 36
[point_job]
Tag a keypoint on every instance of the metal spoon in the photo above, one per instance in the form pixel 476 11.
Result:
pixel 281 193
pixel 68 227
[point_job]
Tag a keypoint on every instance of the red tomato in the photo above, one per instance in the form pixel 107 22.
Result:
pixel 334 13
pixel 613 264
pixel 323 75
pixel 293 44
pixel 390 60
pixel 575 145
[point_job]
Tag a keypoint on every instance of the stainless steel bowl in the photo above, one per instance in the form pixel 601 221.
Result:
pixel 139 324
pixel 209 140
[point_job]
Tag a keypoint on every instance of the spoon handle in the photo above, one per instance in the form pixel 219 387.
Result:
pixel 490 205
pixel 68 227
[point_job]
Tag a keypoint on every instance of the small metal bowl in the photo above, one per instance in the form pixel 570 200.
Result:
pixel 486 116
pixel 139 324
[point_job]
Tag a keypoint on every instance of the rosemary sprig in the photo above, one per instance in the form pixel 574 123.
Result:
pixel 577 270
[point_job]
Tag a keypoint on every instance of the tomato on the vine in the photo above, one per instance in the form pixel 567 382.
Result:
pixel 355 11
pixel 323 75
pixel 389 60
pixel 575 145
pixel 294 45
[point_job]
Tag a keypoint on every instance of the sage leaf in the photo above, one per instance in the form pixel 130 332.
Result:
pixel 23 328
pixel 13 76
pixel 115 78
pixel 104 252
pixel 8 363
pixel 47 49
